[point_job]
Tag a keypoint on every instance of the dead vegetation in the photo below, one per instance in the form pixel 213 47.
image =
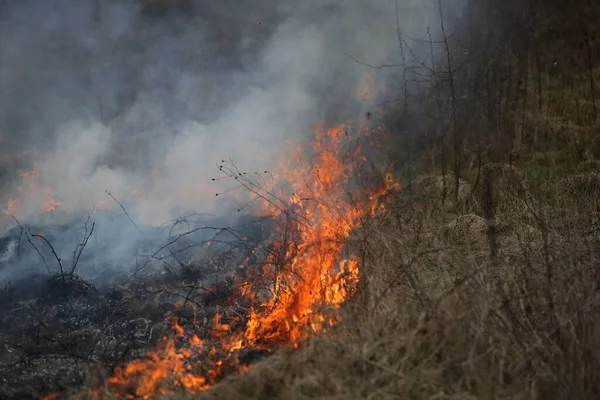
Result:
pixel 450 312
pixel 458 305
pixel 54 324
pixel 482 280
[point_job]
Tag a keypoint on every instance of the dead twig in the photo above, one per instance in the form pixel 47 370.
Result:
pixel 124 210
pixel 81 246
pixel 58 260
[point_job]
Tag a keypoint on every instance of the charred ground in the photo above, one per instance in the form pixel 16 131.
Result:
pixel 55 324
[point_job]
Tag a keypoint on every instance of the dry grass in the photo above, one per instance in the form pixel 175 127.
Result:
pixel 460 306
pixel 479 295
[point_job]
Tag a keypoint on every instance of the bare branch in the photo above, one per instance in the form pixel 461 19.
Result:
pixel 81 246
pixel 62 271
pixel 124 210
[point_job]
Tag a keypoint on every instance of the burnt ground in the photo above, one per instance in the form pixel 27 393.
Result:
pixel 53 326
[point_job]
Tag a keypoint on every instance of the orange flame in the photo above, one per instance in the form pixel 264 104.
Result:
pixel 307 271
pixel 367 89
pixel 50 204
pixel 163 370
pixel 10 207
pixel 29 190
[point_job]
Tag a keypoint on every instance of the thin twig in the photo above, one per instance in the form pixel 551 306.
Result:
pixel 124 210
pixel 81 247
pixel 62 271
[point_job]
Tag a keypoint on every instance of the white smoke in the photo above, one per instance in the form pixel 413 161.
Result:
pixel 105 100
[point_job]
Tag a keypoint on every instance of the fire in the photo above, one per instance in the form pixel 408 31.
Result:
pixel 307 271
pixel 316 274
pixel 31 195
pixel 367 89
pixel 50 204
pixel 29 191
pixel 11 206
pixel 138 193
pixel 164 369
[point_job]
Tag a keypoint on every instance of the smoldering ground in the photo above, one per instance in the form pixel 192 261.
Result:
pixel 148 96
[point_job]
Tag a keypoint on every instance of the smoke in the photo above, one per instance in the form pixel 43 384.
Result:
pixel 147 97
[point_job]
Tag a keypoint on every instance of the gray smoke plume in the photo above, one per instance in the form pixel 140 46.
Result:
pixel 148 96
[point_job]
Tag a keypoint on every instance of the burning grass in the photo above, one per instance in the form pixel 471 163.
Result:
pixel 30 190
pixel 308 270
pixel 446 312
pixel 496 298
pixel 493 296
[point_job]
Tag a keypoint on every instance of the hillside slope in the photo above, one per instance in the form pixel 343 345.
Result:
pixel 481 281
